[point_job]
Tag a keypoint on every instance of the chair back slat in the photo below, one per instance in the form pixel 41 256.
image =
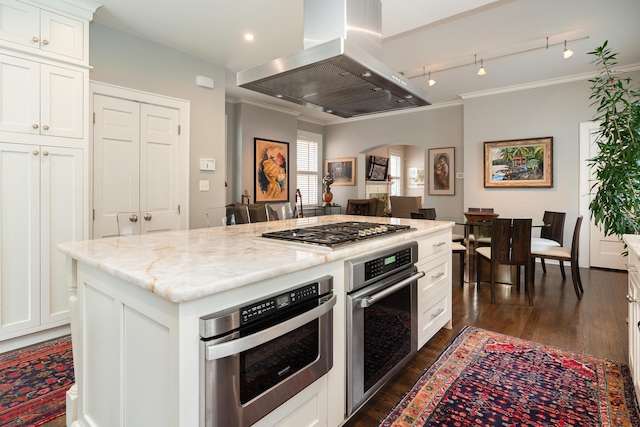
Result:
pixel 575 242
pixel 510 241
pixel 430 213
pixel 554 226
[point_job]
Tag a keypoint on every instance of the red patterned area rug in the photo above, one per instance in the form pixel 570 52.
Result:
pixel 488 379
pixel 34 381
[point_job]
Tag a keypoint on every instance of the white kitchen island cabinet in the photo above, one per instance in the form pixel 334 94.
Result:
pixel 136 338
pixel 633 297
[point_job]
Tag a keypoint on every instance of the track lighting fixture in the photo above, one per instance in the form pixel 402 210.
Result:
pixel 431 81
pixel 482 71
pixel 567 52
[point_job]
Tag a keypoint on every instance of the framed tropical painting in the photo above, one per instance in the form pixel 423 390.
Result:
pixel 519 163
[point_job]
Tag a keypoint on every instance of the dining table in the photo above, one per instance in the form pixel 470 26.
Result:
pixel 480 229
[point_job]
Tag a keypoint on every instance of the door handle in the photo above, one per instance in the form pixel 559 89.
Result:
pixel 133 218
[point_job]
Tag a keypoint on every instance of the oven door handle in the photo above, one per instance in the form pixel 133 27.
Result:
pixel 229 348
pixel 369 301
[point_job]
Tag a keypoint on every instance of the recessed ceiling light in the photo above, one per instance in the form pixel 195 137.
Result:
pixel 248 36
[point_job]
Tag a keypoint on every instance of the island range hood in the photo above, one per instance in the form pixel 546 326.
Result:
pixel 338 71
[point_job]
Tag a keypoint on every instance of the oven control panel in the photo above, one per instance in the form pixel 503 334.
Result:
pixel 367 269
pixel 384 264
pixel 256 311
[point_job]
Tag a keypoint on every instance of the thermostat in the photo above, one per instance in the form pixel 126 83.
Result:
pixel 207 164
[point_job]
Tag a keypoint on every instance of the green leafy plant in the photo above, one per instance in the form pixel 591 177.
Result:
pixel 616 204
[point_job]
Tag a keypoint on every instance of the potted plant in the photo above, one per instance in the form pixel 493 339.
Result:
pixel 616 204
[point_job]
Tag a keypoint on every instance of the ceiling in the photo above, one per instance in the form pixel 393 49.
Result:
pixel 444 37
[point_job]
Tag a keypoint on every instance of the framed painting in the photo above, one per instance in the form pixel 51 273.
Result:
pixel 442 171
pixel 415 177
pixel 519 163
pixel 343 171
pixel 271 166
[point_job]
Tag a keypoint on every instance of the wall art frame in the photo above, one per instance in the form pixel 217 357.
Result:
pixel 442 171
pixel 415 177
pixel 519 163
pixel 342 170
pixel 271 167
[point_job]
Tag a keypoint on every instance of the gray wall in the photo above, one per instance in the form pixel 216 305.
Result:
pixel 130 62
pixel 417 131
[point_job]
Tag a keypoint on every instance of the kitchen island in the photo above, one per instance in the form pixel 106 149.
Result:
pixel 140 299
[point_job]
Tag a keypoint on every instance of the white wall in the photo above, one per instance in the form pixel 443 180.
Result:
pixel 124 60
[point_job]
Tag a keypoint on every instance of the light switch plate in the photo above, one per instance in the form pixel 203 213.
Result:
pixel 460 175
pixel 204 185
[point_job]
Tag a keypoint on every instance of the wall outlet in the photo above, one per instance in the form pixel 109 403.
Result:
pixel 204 185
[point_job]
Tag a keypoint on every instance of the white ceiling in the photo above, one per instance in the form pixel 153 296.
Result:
pixel 434 34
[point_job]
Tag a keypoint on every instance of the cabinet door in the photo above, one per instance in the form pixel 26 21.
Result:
pixel 20 23
pixel 19 237
pixel 116 165
pixel 19 95
pixel 61 35
pixel 61 221
pixel 159 168
pixel 61 102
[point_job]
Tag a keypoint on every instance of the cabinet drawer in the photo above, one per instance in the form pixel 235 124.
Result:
pixel 435 244
pixel 437 275
pixel 432 317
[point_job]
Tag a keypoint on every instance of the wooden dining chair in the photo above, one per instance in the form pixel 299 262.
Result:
pixel 563 254
pixel 480 240
pixel 510 245
pixel 418 215
pixel 551 235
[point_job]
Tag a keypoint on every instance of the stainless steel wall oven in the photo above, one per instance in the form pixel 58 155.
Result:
pixel 256 356
pixel 381 319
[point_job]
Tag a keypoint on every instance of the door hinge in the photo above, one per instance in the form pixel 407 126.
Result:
pixel 179 129
pixel 94 118
pixel 178 209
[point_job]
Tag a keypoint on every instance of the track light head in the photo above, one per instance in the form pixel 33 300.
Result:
pixel 482 71
pixel 431 81
pixel 567 52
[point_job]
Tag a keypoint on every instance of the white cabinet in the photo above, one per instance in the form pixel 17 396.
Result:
pixel 40 99
pixel 40 206
pixel 633 297
pixel 41 30
pixel 434 289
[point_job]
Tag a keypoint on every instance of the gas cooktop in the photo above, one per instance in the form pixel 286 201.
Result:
pixel 332 235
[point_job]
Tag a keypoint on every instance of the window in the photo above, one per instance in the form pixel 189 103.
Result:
pixel 308 177
pixel 395 170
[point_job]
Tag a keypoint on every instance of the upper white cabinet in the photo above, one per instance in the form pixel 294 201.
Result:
pixel 40 99
pixel 42 30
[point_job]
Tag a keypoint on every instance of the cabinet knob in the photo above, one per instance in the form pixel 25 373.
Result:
pixel 35 126
pixel 133 218
pixel 631 299
pixel 45 127
pixel 35 39
pixel 45 153
pixel 45 41
pixel 36 152
pixel 147 216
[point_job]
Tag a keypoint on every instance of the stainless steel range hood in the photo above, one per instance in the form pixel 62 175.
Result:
pixel 338 71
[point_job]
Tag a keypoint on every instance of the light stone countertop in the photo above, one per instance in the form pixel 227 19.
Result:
pixel 633 244
pixel 185 265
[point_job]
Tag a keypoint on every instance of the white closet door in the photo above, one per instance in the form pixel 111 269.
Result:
pixel 19 237
pixel 159 169
pixel 116 160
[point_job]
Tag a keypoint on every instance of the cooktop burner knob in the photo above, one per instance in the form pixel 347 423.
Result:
pixel 361 233
pixel 384 228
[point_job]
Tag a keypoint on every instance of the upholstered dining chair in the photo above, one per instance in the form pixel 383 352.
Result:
pixel 402 206
pixel 551 235
pixel 280 211
pixel 510 245
pixel 365 207
pixel 563 254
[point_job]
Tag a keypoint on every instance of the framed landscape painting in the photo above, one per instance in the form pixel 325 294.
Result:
pixel 519 163
pixel 271 166
pixel 441 171
pixel 343 171
pixel 415 177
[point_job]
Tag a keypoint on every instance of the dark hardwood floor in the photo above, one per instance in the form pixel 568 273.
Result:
pixel 595 325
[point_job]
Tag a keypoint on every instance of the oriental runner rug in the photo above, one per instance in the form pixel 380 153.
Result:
pixel 34 381
pixel 488 379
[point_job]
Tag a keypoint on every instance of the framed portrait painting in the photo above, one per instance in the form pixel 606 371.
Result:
pixel 271 166
pixel 519 163
pixel 343 171
pixel 441 171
